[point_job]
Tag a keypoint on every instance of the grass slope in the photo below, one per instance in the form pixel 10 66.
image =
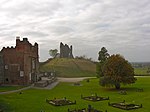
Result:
pixel 10 88
pixel 70 67
pixel 33 100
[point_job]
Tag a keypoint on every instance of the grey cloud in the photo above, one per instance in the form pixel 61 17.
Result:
pixel 60 30
pixel 33 8
pixel 35 34
pixel 122 26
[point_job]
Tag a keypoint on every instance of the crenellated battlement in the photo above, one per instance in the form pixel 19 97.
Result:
pixel 22 46
pixel 8 48
pixel 21 62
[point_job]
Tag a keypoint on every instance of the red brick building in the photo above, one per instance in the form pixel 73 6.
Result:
pixel 20 63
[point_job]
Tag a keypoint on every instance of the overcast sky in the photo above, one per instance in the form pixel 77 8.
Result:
pixel 122 26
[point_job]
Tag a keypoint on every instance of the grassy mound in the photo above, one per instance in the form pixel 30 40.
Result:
pixel 69 67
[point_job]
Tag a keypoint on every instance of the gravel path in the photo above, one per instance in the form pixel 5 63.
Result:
pixel 60 79
pixel 51 86
pixel 18 90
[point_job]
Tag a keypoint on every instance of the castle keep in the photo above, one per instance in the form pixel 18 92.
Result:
pixel 19 64
pixel 65 51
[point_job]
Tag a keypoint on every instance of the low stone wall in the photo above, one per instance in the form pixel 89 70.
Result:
pixel 42 83
pixel 45 82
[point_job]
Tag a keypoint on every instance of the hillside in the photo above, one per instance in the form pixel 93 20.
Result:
pixel 69 67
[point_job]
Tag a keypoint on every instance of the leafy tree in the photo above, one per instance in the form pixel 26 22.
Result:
pixel 53 52
pixel 117 70
pixel 148 71
pixel 103 56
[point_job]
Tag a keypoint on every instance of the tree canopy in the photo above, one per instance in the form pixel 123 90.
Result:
pixel 53 52
pixel 117 70
pixel 103 56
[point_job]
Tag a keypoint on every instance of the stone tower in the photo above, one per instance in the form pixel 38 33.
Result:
pixel 65 51
pixel 20 63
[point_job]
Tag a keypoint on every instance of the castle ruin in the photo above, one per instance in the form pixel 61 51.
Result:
pixel 19 64
pixel 65 51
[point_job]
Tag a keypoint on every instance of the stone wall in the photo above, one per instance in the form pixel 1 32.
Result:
pixel 20 63
pixel 65 51
pixel 1 68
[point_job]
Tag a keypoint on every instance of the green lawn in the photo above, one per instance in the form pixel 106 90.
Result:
pixel 9 88
pixel 141 71
pixel 33 100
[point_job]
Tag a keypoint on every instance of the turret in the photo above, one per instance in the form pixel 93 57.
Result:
pixel 25 39
pixel 17 40
pixel 36 48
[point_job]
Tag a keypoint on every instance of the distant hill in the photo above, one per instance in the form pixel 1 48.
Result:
pixel 69 67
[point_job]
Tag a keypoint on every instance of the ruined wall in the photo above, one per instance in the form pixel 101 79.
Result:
pixel 20 62
pixel 1 68
pixel 65 51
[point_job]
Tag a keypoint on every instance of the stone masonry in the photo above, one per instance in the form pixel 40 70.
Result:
pixel 19 64
pixel 65 51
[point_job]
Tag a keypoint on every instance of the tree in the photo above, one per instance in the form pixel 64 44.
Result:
pixel 103 56
pixel 84 57
pixel 53 52
pixel 148 71
pixel 117 70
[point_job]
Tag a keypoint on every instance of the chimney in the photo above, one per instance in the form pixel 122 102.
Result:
pixel 17 40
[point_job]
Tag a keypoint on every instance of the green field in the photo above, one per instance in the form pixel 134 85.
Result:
pixel 141 71
pixel 33 100
pixel 9 88
pixel 70 67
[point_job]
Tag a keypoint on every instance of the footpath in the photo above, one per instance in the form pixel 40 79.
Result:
pixel 50 86
pixel 18 90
